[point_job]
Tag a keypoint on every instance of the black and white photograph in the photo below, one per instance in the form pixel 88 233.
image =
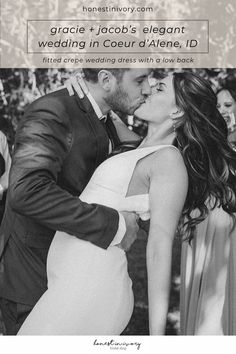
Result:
pixel 117 176
pixel 118 202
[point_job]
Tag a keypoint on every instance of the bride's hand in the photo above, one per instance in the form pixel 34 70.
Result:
pixel 76 84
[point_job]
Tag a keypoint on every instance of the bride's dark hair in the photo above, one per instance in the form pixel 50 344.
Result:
pixel 201 137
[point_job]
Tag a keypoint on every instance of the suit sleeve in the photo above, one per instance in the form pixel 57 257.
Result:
pixel 43 141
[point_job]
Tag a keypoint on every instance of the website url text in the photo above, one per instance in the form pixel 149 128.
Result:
pixel 117 9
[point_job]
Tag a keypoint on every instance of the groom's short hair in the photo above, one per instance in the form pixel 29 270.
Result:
pixel 92 74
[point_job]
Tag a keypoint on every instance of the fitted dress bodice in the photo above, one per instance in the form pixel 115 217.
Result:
pixel 89 288
pixel 110 182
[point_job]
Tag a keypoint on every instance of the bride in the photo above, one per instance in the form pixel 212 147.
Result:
pixel 184 161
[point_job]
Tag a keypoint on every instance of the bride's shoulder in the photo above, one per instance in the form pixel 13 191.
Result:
pixel 169 152
pixel 168 160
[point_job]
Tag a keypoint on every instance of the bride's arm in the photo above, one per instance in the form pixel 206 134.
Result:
pixel 168 189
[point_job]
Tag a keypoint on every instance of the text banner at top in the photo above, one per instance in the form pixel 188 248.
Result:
pixel 120 37
pixel 125 33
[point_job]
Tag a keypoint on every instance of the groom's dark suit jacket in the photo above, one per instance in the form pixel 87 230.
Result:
pixel 59 144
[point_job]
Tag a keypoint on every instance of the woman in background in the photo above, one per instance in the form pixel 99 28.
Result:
pixel 226 104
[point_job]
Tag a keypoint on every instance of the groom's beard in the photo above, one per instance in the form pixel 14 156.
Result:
pixel 120 101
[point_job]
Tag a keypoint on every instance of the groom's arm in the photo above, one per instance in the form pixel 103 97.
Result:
pixel 42 143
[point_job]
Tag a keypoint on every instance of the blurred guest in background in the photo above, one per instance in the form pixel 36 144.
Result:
pixel 226 104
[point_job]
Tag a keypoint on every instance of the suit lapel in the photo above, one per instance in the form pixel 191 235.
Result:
pixel 112 133
pixel 97 128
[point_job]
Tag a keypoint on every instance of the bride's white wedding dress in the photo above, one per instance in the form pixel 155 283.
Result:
pixel 89 289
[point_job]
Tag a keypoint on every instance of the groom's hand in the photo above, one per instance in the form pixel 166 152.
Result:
pixel 131 221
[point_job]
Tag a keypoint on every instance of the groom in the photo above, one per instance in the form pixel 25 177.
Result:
pixel 59 143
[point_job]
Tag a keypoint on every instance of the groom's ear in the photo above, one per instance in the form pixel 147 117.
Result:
pixel 106 80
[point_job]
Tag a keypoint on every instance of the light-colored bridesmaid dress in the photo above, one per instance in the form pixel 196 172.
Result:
pixel 208 283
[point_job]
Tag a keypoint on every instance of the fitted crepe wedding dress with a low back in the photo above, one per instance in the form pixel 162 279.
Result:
pixel 89 289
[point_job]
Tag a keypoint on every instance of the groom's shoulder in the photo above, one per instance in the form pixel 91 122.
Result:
pixel 55 99
pixel 56 107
